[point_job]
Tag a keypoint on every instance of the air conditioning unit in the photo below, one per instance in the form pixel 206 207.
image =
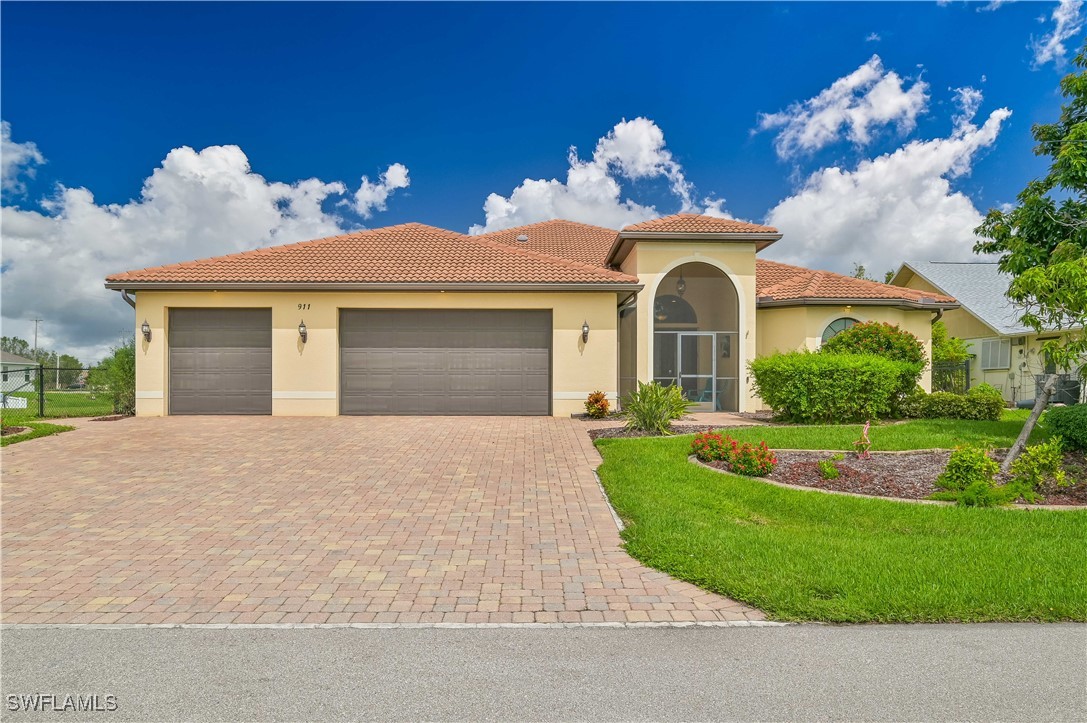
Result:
pixel 1019 341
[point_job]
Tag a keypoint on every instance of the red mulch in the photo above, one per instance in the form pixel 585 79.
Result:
pixel 910 475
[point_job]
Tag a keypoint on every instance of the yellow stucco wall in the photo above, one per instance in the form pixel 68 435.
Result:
pixel 1017 381
pixel 959 322
pixel 305 377
pixel 651 261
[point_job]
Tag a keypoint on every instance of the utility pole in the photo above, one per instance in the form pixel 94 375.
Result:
pixel 36 322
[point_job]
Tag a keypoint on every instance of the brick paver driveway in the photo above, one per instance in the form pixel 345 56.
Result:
pixel 325 520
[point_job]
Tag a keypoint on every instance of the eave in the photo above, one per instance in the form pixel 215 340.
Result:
pixel 345 286
pixel 626 239
pixel 769 302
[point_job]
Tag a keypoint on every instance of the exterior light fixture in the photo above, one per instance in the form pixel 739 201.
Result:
pixel 145 329
pixel 681 285
pixel 848 308
pixel 585 331
pixel 303 332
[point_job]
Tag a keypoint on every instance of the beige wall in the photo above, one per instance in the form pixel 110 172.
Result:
pixel 1016 382
pixel 793 328
pixel 959 322
pixel 651 261
pixel 305 377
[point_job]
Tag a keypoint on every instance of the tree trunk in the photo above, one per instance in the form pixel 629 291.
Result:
pixel 1039 406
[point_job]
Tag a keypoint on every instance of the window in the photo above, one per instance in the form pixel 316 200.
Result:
pixel 836 327
pixel 996 354
pixel 5 375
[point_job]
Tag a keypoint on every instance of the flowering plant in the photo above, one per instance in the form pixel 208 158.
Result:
pixel 746 459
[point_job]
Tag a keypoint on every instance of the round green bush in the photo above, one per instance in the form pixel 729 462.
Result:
pixel 882 339
pixel 1070 423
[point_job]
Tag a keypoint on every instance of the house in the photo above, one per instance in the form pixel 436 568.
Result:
pixel 17 374
pixel 1006 353
pixel 413 319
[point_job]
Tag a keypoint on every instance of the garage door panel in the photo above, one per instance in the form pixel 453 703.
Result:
pixel 445 361
pixel 220 361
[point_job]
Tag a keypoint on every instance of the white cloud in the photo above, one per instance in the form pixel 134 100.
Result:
pixel 859 103
pixel 632 150
pixel 896 207
pixel 1067 21
pixel 873 38
pixel 196 204
pixel 969 101
pixel 373 196
pixel 16 159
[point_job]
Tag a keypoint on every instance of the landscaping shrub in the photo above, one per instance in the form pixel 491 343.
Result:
pixel 1070 423
pixel 117 375
pixel 746 459
pixel 1039 465
pixel 966 466
pixel 827 468
pixel 709 447
pixel 807 387
pixel 653 408
pixel 881 339
pixel 981 402
pixel 597 406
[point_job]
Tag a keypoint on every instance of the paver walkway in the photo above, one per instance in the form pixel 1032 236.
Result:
pixel 323 520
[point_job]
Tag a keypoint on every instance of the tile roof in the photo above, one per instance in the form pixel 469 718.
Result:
pixel 695 223
pixel 407 253
pixel 567 239
pixel 783 282
pixel 981 287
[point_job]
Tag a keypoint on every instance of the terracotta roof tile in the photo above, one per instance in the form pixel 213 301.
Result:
pixel 695 223
pixel 784 282
pixel 408 253
pixel 566 239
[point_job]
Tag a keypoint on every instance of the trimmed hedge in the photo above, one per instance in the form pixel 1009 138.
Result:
pixel 981 402
pixel 809 387
pixel 1070 423
pixel 882 339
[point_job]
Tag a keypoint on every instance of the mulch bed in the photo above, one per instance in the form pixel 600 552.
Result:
pixel 909 475
pixel 111 418
pixel 5 431
pixel 614 432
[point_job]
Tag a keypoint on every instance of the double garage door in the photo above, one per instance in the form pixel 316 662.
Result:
pixel 391 361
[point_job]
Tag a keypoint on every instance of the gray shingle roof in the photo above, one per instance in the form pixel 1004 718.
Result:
pixel 980 287
pixel 8 358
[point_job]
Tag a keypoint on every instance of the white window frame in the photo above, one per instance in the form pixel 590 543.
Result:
pixel 996 354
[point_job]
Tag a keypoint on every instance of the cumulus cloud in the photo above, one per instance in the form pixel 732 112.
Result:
pixel 16 160
pixel 196 204
pixel 592 193
pixel 896 207
pixel 1067 21
pixel 373 196
pixel 866 100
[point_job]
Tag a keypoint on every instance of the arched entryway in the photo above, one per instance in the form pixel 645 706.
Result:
pixel 696 319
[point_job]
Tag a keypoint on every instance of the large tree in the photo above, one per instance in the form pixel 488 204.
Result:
pixel 1042 241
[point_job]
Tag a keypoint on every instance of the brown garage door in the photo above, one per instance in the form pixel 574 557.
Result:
pixel 220 361
pixel 430 361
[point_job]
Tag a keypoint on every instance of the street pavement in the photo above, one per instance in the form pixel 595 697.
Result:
pixel 1005 672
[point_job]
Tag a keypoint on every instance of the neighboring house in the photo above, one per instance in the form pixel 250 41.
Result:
pixel 1006 353
pixel 412 319
pixel 17 374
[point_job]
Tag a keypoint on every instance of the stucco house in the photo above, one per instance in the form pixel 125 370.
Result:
pixel 1007 354
pixel 413 319
pixel 17 374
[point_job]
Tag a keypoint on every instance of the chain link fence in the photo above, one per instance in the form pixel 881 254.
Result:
pixel 40 392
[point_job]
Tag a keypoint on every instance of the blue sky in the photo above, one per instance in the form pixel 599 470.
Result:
pixel 473 99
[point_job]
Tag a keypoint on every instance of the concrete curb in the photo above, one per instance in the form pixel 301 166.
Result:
pixel 614 515
pixel 390 626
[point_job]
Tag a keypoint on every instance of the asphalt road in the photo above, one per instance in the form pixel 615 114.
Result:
pixel 917 672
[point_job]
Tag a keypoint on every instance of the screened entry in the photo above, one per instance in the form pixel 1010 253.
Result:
pixel 696 336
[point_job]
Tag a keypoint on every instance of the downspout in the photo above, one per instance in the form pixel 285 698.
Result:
pixel 939 315
pixel 128 299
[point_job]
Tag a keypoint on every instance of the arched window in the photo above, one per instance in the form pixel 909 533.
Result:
pixel 837 327
pixel 673 310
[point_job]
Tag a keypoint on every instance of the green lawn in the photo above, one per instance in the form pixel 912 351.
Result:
pixel 810 556
pixel 60 404
pixel 40 429
pixel 914 434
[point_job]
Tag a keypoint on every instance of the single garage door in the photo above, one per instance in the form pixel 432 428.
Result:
pixel 220 361
pixel 430 361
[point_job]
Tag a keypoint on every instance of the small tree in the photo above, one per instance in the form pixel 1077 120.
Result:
pixel 117 375
pixel 1042 241
pixel 947 349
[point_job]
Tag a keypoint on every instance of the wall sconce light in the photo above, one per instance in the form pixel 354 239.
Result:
pixel 303 332
pixel 848 308
pixel 681 285
pixel 145 329
pixel 585 331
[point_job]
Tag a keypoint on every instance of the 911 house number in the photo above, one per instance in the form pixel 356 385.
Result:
pixel 303 307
